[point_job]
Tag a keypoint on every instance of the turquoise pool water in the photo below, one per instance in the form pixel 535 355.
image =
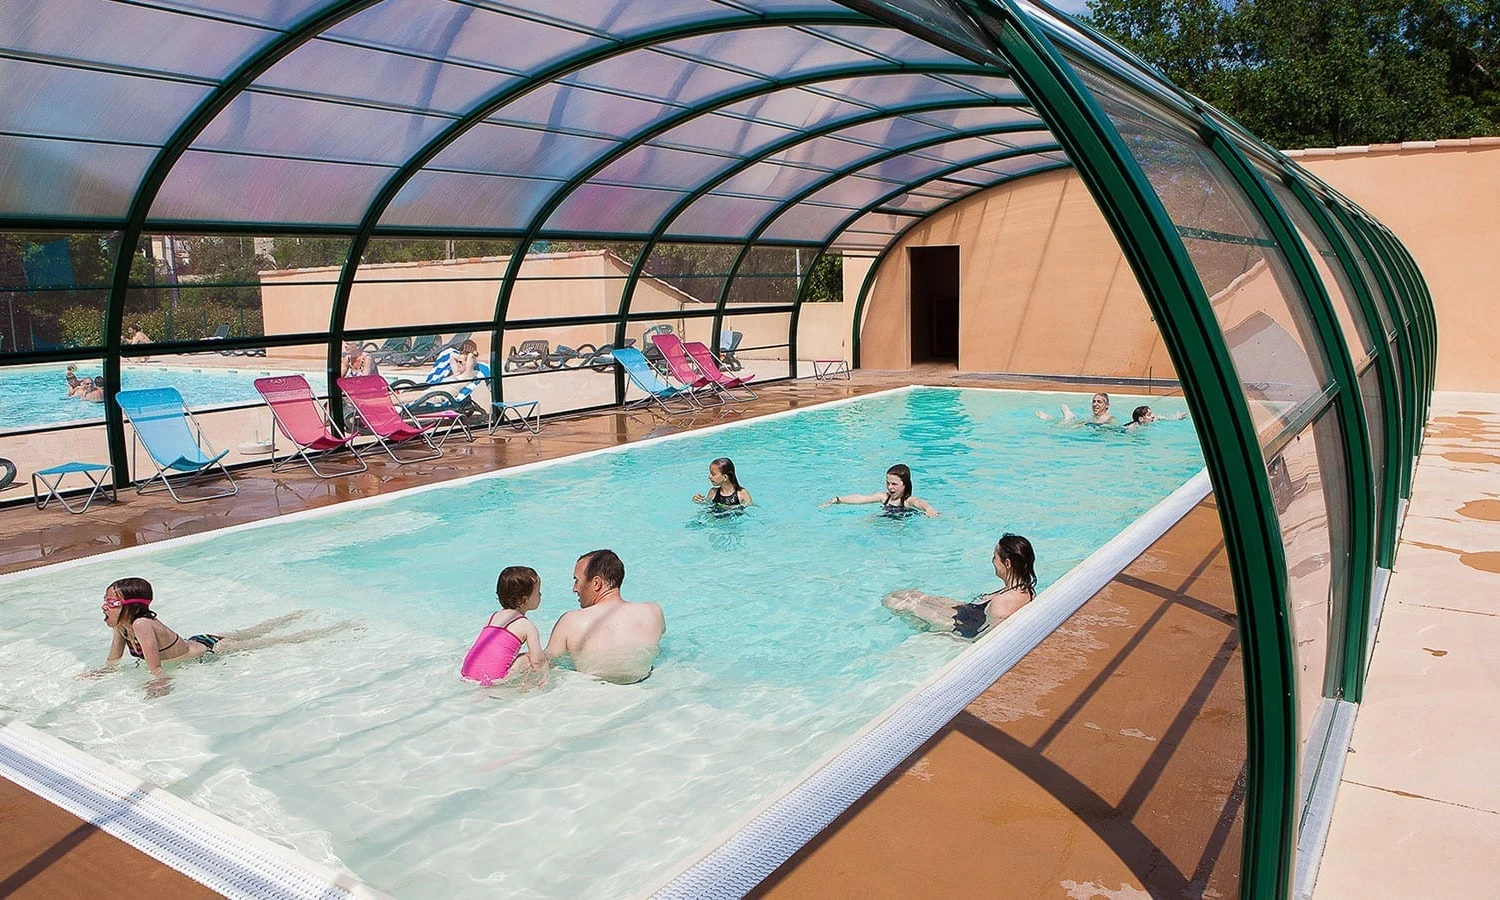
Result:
pixel 38 395
pixel 367 750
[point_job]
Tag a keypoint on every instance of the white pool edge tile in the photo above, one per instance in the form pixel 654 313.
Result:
pixel 209 849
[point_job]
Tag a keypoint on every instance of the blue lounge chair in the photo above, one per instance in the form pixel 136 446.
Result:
pixel 174 440
pixel 671 400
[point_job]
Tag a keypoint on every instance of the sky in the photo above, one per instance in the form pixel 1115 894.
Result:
pixel 1072 7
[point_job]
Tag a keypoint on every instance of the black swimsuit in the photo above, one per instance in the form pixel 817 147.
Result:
pixel 969 618
pixel 718 499
pixel 898 510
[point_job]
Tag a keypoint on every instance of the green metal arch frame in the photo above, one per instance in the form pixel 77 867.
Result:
pixel 1348 404
pixel 494 102
pixel 896 238
pixel 660 127
pixel 895 241
pixel 1221 416
pixel 1380 351
pixel 791 202
pixel 1398 340
pixel 1411 330
pixel 1400 272
pixel 1421 307
pixel 182 138
pixel 658 233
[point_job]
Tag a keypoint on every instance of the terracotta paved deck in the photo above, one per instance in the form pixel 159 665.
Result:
pixel 1108 761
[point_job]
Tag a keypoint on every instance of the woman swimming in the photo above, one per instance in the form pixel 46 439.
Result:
pixel 726 492
pixel 1015 564
pixel 897 499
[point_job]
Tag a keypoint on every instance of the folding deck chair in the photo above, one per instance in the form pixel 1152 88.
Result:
pixel 174 441
pixel 376 405
pixel 710 368
pixel 670 400
pixel 702 388
pixel 305 422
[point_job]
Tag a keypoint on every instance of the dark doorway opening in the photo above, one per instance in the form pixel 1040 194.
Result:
pixel 934 304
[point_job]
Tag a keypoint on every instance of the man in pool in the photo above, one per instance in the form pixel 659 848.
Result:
pixel 608 637
pixel 1099 413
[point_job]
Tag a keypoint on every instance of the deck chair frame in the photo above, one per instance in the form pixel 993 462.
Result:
pixel 302 453
pixel 421 432
pixel 702 389
pixel 663 398
pixel 206 466
pixel 713 369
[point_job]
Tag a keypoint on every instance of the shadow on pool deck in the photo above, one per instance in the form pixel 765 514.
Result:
pixel 1110 759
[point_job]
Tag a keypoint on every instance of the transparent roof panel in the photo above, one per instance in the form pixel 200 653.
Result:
pixel 659 76
pixel 880 91
pixel 462 33
pixel 256 123
pixel 451 199
pixel 375 76
pixel 799 108
pixel 272 13
pixel 724 134
pixel 647 166
pixel 914 202
pixel 971 117
pixel 223 187
pixel 611 209
pixel 770 52
pixel 57 101
pixel 827 152
pixel 944 20
pixel 893 132
pixel 714 215
pixel 119 34
pixel 626 18
pixel 767 179
pixel 853 192
pixel 888 42
pixel 41 177
pixel 904 169
pixel 508 150
pixel 555 105
pixel 806 222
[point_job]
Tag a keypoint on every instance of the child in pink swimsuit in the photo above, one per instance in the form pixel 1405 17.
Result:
pixel 500 640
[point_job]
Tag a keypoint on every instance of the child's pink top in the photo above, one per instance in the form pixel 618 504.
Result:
pixel 493 653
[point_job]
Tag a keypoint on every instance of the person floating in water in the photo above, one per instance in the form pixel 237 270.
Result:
pixel 726 492
pixel 127 612
pixel 499 643
pixel 608 637
pixel 897 499
pixel 1143 416
pixel 1099 413
pixel 1015 564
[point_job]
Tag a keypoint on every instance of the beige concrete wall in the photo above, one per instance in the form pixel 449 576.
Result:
pixel 1440 198
pixel 1043 288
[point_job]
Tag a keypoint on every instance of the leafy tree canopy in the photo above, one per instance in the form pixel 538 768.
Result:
pixel 1321 73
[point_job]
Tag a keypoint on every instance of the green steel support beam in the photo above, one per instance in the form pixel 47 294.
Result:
pixel 1421 302
pixel 1195 341
pixel 1402 344
pixel 663 126
pixel 1359 563
pixel 791 202
pixel 182 138
pixel 1427 306
pixel 772 150
pixel 1390 414
pixel 1421 363
pixel 495 101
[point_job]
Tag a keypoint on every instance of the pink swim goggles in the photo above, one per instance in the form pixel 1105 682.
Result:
pixel 117 602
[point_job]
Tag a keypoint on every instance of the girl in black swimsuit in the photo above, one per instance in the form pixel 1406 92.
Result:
pixel 897 501
pixel 1015 564
pixel 726 493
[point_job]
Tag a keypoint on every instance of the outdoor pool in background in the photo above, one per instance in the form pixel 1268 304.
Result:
pixel 367 750
pixel 35 396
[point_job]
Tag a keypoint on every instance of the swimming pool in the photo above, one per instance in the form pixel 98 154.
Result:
pixel 38 395
pixel 367 750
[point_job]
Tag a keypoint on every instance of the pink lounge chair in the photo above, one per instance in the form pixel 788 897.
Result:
pixel 700 387
pixel 710 368
pixel 304 421
pixel 376 405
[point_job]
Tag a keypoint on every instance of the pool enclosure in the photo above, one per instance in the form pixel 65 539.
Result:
pixel 237 177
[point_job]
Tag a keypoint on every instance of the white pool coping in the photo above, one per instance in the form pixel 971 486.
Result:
pixel 238 863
